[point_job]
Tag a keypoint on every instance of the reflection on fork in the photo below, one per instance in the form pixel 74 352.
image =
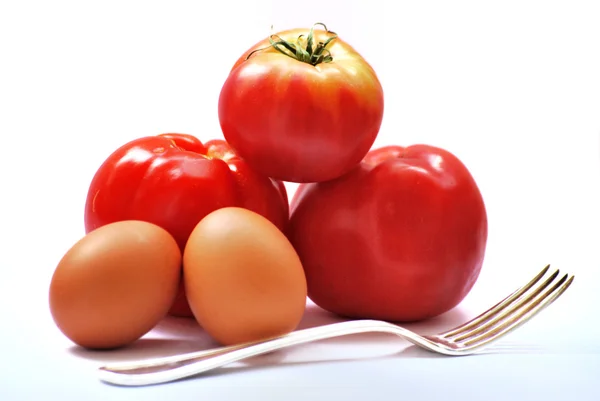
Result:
pixel 468 338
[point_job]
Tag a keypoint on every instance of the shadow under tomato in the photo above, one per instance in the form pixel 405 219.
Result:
pixel 316 316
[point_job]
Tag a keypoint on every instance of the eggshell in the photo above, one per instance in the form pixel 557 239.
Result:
pixel 243 278
pixel 115 284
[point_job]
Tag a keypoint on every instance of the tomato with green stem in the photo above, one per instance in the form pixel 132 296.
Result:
pixel 301 106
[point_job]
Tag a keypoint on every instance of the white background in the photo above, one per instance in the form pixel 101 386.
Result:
pixel 511 87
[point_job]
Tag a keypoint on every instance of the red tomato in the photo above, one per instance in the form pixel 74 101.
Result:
pixel 401 237
pixel 173 181
pixel 302 115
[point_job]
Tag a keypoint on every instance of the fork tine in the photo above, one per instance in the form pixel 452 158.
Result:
pixel 505 312
pixel 523 315
pixel 494 310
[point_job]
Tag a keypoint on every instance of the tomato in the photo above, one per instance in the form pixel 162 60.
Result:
pixel 401 237
pixel 308 112
pixel 173 181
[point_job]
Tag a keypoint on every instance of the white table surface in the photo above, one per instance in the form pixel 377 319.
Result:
pixel 513 89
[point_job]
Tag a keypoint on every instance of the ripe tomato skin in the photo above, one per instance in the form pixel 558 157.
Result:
pixel 174 180
pixel 401 237
pixel 297 122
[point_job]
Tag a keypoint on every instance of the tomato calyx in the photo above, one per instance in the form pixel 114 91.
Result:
pixel 304 49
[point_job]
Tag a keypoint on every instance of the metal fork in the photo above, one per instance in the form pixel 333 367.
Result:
pixel 468 338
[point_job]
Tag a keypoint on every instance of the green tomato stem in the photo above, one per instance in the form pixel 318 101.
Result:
pixel 304 49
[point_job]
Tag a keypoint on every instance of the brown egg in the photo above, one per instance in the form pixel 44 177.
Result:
pixel 115 284
pixel 243 278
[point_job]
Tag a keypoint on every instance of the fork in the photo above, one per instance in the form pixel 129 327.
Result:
pixel 468 338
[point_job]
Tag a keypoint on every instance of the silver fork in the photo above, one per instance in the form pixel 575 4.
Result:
pixel 468 338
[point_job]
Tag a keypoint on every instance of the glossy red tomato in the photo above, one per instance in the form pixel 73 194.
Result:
pixel 173 181
pixel 401 237
pixel 305 113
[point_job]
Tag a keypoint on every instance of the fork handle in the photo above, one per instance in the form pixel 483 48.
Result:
pixel 181 366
